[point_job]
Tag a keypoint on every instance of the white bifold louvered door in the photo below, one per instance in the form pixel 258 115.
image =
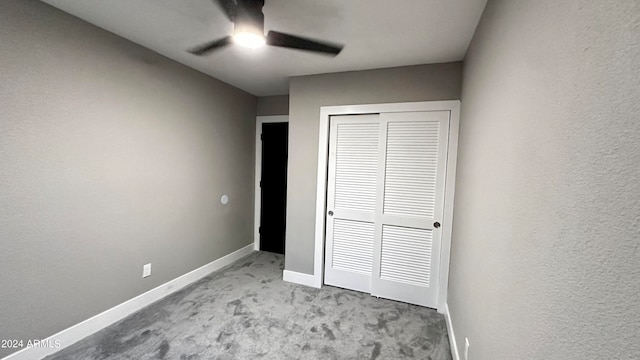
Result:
pixel 410 201
pixel 354 143
pixel 385 200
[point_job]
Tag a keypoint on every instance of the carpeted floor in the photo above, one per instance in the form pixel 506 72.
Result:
pixel 246 311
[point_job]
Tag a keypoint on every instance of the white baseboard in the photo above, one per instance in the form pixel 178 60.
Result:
pixel 452 337
pixel 299 278
pixel 92 325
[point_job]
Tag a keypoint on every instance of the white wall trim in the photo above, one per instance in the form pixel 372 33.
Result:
pixel 453 106
pixel 449 192
pixel 98 322
pixel 452 337
pixel 299 278
pixel 258 173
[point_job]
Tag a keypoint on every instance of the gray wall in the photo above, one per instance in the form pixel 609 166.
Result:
pixel 546 261
pixel 111 157
pixel 273 105
pixel 307 95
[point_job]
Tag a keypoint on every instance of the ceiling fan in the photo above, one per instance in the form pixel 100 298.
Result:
pixel 248 21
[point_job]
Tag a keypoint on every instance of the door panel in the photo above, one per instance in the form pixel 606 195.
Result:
pixel 356 151
pixel 406 255
pixel 351 198
pixel 352 245
pixel 411 200
pixel 273 188
pixel 411 167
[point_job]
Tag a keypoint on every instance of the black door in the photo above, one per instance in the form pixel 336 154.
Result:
pixel 273 186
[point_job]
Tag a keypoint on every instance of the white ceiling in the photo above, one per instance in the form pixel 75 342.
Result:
pixel 376 34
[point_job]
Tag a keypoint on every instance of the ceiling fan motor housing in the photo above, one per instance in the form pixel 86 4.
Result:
pixel 249 17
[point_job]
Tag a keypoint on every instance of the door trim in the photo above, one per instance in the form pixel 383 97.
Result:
pixel 453 106
pixel 258 172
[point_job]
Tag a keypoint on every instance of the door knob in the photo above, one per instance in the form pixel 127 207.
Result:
pixel 330 213
pixel 436 224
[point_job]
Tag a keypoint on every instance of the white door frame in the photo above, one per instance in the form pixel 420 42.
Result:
pixel 258 173
pixel 453 106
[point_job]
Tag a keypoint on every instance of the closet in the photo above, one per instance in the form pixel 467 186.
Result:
pixel 385 201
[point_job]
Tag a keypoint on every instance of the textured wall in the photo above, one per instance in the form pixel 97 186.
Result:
pixel 273 105
pixel 111 157
pixel 545 261
pixel 307 95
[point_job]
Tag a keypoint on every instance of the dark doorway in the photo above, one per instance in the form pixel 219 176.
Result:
pixel 273 186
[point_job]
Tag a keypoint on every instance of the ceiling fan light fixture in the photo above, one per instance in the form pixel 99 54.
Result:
pixel 249 39
pixel 248 30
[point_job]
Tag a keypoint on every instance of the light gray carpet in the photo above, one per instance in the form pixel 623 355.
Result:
pixel 246 311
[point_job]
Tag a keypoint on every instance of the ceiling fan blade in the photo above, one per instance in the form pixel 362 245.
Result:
pixel 275 38
pixel 229 8
pixel 211 46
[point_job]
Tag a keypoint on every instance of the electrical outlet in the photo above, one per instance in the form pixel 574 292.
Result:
pixel 146 270
pixel 466 348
